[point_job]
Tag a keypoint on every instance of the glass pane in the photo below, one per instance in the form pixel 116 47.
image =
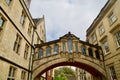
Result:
pixel 10 71
pixel 56 49
pixel 48 51
pixel 13 72
pixel 76 47
pixel 63 46
pixel 106 46
pixel 1 22
pixel 113 74
pixel 69 45
pixel 83 49
pixel 8 2
pixel 40 54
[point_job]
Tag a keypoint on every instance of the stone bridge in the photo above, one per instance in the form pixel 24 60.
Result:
pixel 71 51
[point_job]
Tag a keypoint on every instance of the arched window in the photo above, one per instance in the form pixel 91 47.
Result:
pixel 48 51
pixel 97 53
pixel 76 47
pixel 69 45
pixel 90 52
pixel 56 49
pixel 40 53
pixel 83 49
pixel 63 47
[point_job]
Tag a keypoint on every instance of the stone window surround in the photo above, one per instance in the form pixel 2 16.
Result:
pixel 12 72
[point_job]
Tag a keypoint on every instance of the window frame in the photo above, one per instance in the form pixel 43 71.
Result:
pixel 23 75
pixel 94 37
pixel 22 18
pixel 101 29
pixel 117 38
pixel 56 49
pixel 48 51
pixel 3 21
pixel 112 18
pixel 40 53
pixel 8 2
pixel 17 43
pixel 106 47
pixel 11 73
pixel 112 74
pixel 29 29
pixel 26 51
pixel 83 49
pixel 70 45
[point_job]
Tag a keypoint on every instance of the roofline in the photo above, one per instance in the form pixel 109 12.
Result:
pixel 57 41
pixel 104 10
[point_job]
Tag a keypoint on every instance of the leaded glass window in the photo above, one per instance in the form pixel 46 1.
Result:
pixel 48 51
pixel 70 45
pixel 83 48
pixel 40 53
pixel 11 74
pixel 76 47
pixel 1 21
pixel 117 35
pixel 112 18
pixel 113 73
pixel 106 47
pixel 63 47
pixel 56 49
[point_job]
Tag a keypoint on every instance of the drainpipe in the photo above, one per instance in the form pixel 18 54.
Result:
pixel 31 57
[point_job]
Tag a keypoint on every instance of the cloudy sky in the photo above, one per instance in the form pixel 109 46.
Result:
pixel 62 16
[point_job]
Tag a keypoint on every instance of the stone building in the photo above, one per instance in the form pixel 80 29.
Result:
pixel 18 34
pixel 83 75
pixel 105 32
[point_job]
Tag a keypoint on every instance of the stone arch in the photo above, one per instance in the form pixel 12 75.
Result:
pixel 86 64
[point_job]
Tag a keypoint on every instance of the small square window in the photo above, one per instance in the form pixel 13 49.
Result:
pixel 112 18
pixel 8 2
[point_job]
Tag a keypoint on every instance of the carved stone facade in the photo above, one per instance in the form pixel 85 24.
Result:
pixel 18 33
pixel 105 32
pixel 68 50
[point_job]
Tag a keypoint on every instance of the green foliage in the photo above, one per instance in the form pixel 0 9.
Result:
pixel 63 72
pixel 61 76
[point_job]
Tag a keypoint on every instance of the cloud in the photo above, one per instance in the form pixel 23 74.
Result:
pixel 62 16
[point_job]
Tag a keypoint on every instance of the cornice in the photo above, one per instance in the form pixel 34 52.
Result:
pixel 100 16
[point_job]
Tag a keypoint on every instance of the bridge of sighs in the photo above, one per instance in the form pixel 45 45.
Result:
pixel 68 50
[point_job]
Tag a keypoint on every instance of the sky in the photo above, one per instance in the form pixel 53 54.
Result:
pixel 63 16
